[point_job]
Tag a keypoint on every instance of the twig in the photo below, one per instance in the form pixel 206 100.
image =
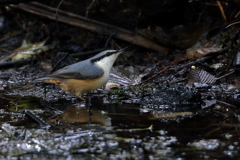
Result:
pixel 59 62
pixel 4 2
pixel 16 63
pixel 36 119
pixel 221 9
pixel 57 13
pixel 232 24
pixel 225 75
pixel 228 104
pixel 237 14
pixel 108 40
pixel 89 7
pixel 155 75
pixel 89 24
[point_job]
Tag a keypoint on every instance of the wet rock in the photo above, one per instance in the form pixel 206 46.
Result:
pixel 177 97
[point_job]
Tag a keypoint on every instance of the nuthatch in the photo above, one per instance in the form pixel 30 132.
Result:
pixel 86 75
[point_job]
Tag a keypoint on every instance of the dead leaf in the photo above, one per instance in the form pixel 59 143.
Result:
pixel 197 53
pixel 27 50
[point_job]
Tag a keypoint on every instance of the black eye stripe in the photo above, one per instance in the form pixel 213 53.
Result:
pixel 101 57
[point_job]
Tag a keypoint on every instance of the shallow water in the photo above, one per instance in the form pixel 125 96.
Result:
pixel 94 130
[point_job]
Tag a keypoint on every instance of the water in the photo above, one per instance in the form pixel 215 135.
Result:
pixel 115 131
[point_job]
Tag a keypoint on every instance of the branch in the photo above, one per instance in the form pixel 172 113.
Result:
pixel 16 63
pixel 92 25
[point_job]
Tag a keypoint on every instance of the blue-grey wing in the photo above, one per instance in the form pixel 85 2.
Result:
pixel 80 70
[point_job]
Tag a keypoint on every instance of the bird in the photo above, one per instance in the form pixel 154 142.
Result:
pixel 84 76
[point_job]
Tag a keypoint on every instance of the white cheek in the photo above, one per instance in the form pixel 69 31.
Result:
pixel 106 63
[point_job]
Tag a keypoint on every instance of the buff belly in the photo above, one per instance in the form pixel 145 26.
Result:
pixel 78 87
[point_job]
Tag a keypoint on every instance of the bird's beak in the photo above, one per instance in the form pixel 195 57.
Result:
pixel 123 49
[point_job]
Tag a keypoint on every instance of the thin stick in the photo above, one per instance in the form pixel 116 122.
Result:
pixel 57 13
pixel 155 75
pixel 221 9
pixel 11 64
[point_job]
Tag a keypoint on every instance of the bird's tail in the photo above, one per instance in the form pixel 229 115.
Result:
pixel 43 79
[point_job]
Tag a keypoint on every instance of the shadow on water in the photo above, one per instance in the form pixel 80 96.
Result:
pixel 115 131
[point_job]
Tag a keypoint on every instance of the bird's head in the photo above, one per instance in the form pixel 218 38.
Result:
pixel 105 59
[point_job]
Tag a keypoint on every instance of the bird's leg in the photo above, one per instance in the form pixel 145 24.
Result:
pixel 89 104
pixel 90 116
pixel 81 101
pixel 89 100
